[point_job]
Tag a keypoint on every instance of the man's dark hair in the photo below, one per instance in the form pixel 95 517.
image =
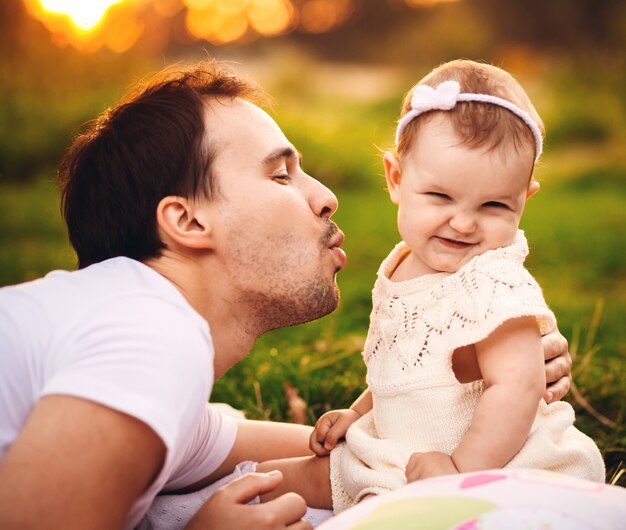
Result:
pixel 150 145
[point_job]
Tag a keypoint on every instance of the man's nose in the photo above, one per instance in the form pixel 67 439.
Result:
pixel 463 222
pixel 322 200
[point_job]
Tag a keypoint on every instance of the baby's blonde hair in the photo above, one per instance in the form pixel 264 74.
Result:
pixel 476 123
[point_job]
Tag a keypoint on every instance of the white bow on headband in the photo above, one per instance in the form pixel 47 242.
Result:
pixel 445 97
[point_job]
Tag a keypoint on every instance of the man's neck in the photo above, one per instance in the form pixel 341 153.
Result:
pixel 207 291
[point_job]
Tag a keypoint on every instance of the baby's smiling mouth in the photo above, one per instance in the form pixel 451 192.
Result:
pixel 453 243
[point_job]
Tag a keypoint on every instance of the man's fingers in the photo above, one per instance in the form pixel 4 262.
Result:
pixel 556 391
pixel 226 509
pixel 288 509
pixel 246 488
pixel 558 368
pixel 558 365
pixel 554 344
pixel 301 525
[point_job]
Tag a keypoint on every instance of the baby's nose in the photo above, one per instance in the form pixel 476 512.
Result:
pixel 463 223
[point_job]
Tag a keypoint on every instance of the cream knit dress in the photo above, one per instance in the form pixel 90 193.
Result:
pixel 419 405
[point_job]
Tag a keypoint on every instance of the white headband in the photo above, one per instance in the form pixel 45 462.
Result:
pixel 446 96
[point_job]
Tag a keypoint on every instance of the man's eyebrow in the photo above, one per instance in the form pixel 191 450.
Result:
pixel 281 152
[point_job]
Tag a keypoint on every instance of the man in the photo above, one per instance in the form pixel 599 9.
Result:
pixel 187 206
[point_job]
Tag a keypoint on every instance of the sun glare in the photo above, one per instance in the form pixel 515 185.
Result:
pixel 91 24
pixel 85 15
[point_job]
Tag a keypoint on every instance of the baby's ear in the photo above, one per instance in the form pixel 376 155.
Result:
pixel 533 187
pixel 392 176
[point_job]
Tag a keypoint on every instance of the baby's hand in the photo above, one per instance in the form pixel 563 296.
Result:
pixel 330 428
pixel 426 465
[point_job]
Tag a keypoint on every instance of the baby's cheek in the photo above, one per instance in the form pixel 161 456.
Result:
pixel 502 233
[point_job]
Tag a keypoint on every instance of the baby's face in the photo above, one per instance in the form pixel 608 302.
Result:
pixel 456 202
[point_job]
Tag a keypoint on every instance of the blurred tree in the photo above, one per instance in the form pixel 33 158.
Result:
pixel 566 25
pixel 359 38
pixel 46 90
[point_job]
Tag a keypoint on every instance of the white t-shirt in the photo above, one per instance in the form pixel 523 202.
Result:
pixel 119 334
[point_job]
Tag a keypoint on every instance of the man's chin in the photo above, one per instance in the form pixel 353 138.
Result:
pixel 309 308
pixel 333 303
pixel 323 308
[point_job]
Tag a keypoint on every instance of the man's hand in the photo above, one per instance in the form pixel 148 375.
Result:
pixel 330 428
pixel 558 365
pixel 426 465
pixel 226 509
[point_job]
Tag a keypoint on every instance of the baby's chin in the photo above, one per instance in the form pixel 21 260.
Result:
pixel 446 267
pixel 452 266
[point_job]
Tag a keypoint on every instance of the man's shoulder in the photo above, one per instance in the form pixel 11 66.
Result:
pixel 97 277
pixel 116 306
pixel 62 293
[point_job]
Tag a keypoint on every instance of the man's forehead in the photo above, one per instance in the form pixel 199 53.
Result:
pixel 235 127
pixel 225 113
pixel 229 120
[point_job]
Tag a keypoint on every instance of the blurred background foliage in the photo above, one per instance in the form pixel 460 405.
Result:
pixel 338 70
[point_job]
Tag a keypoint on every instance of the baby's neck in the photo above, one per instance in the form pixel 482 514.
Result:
pixel 410 267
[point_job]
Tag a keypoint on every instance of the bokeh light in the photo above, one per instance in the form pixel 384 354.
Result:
pixel 91 25
pixel 271 17
pixel 320 16
pixel 425 3
pixel 84 15
pixel 118 24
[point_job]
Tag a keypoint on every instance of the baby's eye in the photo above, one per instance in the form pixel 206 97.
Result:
pixel 282 177
pixel 438 195
pixel 495 204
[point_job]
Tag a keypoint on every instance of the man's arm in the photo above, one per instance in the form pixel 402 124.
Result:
pixel 80 465
pixel 76 465
pixel 260 441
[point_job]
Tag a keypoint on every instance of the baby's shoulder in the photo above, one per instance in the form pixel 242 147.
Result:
pixel 495 287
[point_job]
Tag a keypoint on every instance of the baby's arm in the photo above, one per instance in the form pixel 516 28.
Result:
pixel 511 362
pixel 512 365
pixel 315 488
pixel 334 424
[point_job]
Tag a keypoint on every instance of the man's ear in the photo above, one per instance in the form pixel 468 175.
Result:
pixel 533 187
pixel 392 176
pixel 184 222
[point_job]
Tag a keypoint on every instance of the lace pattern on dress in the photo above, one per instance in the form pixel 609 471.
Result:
pixel 441 312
